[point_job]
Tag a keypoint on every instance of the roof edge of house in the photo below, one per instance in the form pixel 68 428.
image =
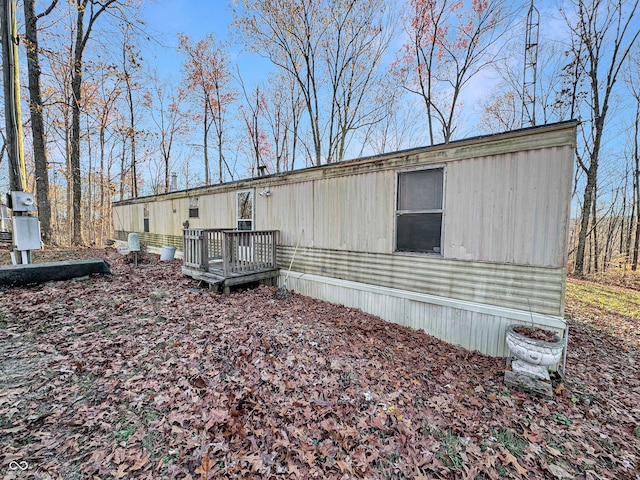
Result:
pixel 567 124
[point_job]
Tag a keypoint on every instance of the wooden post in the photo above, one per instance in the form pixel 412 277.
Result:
pixel 185 253
pixel 273 249
pixel 205 251
pixel 225 254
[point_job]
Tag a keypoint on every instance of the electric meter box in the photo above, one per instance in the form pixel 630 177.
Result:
pixel 26 233
pixel 22 202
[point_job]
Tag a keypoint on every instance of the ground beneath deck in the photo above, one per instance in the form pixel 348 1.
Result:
pixel 143 375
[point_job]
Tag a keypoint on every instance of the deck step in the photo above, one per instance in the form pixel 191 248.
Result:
pixel 219 282
pixel 207 277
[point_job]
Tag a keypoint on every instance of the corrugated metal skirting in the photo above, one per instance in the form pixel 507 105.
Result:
pixel 539 289
pixel 474 327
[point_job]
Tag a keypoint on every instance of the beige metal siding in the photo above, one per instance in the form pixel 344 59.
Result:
pixel 510 208
pixel 289 210
pixel 355 213
pixel 333 212
pixel 509 286
pixel 166 217
pixel 128 218
pixel 216 211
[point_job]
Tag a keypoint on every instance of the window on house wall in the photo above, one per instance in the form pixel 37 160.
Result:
pixel 145 217
pixel 193 207
pixel 244 210
pixel 419 211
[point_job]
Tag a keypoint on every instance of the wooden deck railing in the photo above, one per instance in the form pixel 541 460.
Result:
pixel 247 251
pixel 201 245
pixel 241 252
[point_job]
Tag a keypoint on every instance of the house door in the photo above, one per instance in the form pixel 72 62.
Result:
pixel 245 222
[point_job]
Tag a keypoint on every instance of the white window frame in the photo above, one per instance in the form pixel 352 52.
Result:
pixel 194 201
pixel 396 212
pixel 146 225
pixel 251 192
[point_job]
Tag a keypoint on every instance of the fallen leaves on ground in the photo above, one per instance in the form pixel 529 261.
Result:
pixel 610 308
pixel 144 375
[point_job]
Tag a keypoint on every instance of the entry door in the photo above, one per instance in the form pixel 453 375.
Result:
pixel 244 222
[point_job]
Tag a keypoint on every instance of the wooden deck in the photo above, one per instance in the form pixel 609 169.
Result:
pixel 226 258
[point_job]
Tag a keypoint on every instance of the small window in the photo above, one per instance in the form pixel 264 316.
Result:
pixel 244 213
pixel 419 211
pixel 193 207
pixel 145 217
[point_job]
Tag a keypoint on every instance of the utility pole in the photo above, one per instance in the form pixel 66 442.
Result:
pixel 13 116
pixel 26 228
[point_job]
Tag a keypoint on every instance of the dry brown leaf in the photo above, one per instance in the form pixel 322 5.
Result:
pixel 534 437
pixel 121 472
pixel 344 467
pixel 553 451
pixel 558 472
pixel 203 469
pixel 509 459
pixel 141 461
pixel 216 415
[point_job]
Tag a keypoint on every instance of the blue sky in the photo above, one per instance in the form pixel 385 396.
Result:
pixel 196 18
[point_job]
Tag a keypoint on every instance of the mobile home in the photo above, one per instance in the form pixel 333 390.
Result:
pixel 460 240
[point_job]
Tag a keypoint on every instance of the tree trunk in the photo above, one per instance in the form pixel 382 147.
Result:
pixel 132 125
pixel 123 170
pixel 594 230
pixel 69 209
pixel 636 188
pixel 90 213
pixel 584 225
pixel 206 141
pixel 102 183
pixel 132 133
pixel 166 172
pixel 630 231
pixel 37 124
pixel 76 89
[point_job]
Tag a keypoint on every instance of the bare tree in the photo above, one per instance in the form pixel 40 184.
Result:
pixel 252 112
pixel 399 120
pixel 165 107
pixel 109 89
pixel 502 107
pixel 632 75
pixel 130 64
pixel 331 49
pixel 87 13
pixel 448 45
pixel 208 78
pixel 604 33
pixel 37 123
pixel 282 112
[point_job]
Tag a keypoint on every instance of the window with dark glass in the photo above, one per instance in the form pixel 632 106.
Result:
pixel 193 207
pixel 419 211
pixel 145 218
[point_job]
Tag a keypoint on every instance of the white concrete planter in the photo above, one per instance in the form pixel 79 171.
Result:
pixel 533 356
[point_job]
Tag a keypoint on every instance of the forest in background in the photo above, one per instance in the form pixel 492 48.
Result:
pixel 348 78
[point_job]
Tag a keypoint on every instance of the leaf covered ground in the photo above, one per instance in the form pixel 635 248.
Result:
pixel 144 375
